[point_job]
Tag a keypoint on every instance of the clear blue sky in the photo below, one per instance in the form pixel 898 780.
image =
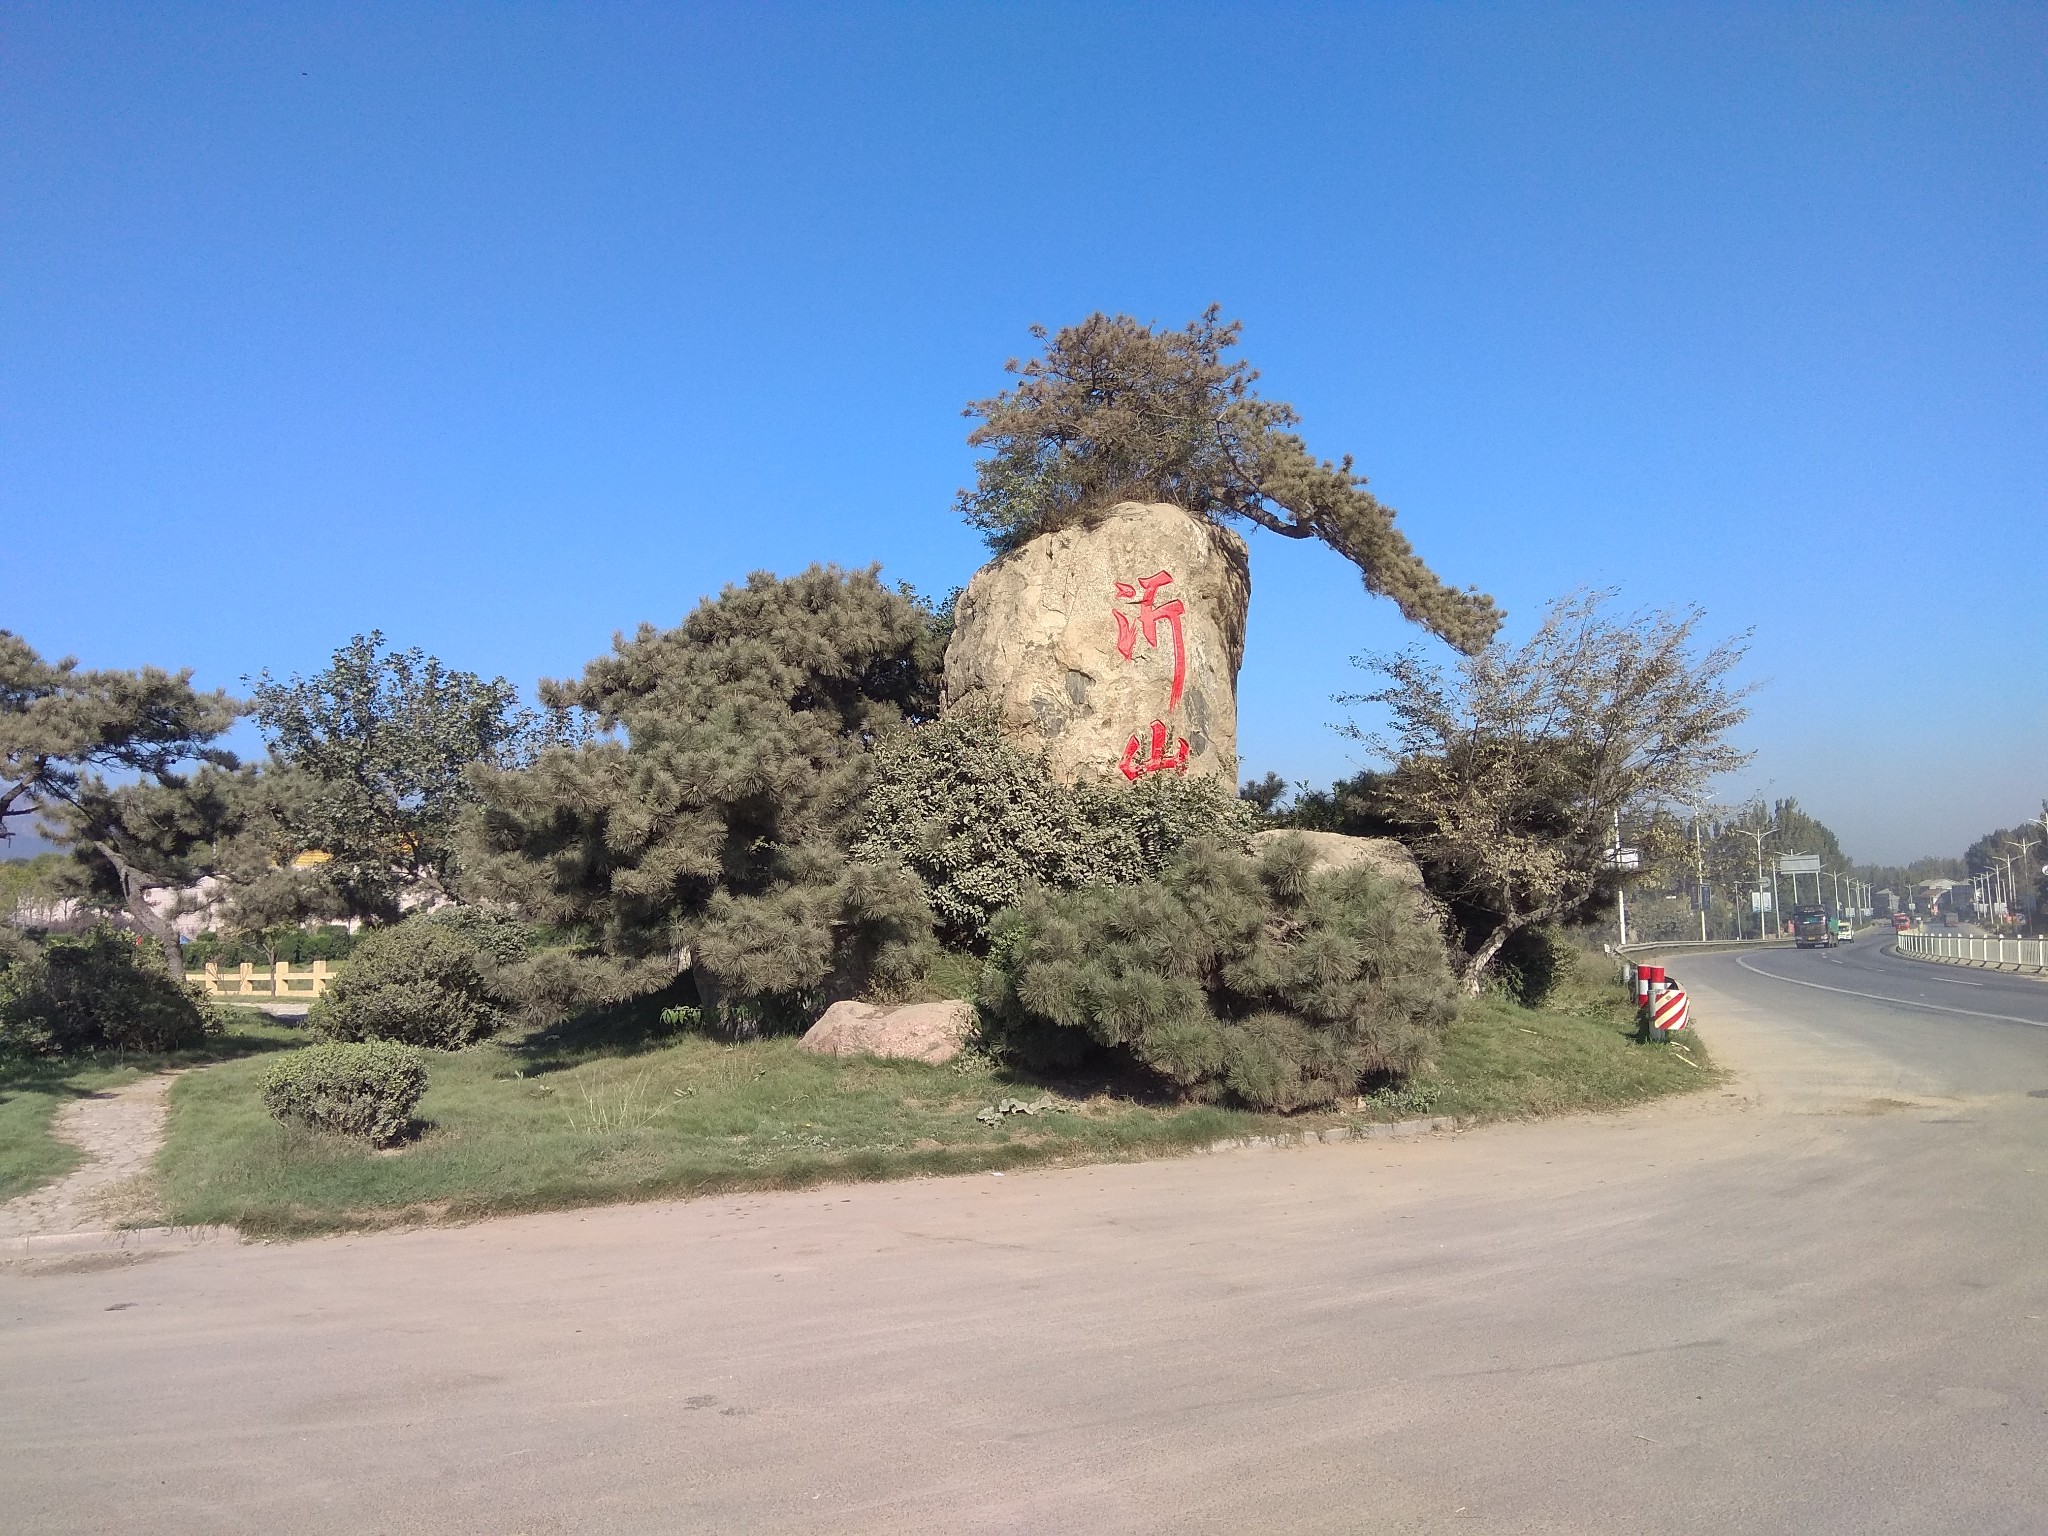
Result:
pixel 501 328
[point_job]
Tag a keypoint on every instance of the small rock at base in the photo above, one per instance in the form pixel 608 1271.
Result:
pixel 929 1032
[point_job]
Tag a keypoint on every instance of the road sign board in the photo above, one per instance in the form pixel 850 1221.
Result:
pixel 1798 863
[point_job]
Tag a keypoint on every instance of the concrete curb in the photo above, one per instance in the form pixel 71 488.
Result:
pixel 1391 1130
pixel 120 1240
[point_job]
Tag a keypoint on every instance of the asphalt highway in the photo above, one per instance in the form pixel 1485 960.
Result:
pixel 1813 1298
pixel 1966 1029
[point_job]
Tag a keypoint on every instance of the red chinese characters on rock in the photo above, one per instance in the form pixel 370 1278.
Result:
pixel 1151 614
pixel 1134 767
pixel 1135 763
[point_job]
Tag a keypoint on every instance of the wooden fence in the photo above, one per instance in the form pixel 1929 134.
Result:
pixel 280 983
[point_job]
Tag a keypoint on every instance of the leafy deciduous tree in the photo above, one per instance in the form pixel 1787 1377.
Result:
pixel 1509 770
pixel 375 753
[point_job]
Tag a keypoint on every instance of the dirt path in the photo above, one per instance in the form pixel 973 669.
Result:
pixel 119 1132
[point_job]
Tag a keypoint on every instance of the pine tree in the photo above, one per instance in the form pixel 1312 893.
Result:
pixel 63 727
pixel 1115 410
pixel 1261 980
pixel 704 828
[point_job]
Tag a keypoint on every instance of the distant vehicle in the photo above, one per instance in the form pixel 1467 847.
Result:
pixel 1901 923
pixel 1811 928
pixel 1845 930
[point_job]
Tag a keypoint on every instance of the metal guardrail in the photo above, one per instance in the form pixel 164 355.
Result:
pixel 1962 949
pixel 1695 946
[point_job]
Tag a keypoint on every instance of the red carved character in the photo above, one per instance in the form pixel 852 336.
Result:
pixel 1151 614
pixel 1134 767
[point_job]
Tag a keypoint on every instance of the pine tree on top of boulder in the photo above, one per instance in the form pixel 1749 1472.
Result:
pixel 1115 410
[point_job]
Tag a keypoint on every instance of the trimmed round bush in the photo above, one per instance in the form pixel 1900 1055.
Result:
pixel 1261 981
pixel 367 1089
pixel 420 983
pixel 100 991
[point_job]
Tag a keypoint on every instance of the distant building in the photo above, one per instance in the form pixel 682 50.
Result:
pixel 1932 896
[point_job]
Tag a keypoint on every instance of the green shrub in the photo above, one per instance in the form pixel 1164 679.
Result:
pixel 422 982
pixel 294 946
pixel 100 991
pixel 977 820
pixel 1257 980
pixel 497 936
pixel 367 1089
pixel 1531 964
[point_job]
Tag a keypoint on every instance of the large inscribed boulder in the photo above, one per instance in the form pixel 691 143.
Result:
pixel 1111 647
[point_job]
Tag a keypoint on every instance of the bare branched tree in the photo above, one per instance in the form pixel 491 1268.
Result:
pixel 1511 767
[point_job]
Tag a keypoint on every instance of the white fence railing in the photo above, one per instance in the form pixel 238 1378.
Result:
pixel 2000 954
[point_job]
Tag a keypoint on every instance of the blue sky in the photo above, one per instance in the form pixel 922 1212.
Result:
pixel 502 328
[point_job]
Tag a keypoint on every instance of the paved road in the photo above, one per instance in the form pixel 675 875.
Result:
pixel 1813 1301
pixel 1965 1029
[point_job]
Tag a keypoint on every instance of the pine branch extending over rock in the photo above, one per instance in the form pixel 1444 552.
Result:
pixel 1115 410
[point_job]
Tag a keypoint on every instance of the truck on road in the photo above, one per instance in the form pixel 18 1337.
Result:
pixel 1811 928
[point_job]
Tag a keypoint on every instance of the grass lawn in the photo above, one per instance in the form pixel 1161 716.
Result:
pixel 621 1109
pixel 32 1091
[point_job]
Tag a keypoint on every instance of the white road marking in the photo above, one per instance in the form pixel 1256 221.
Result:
pixel 1879 997
pixel 1956 981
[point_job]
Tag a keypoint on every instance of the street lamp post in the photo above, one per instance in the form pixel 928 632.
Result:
pixel 2003 861
pixel 1699 872
pixel 2026 875
pixel 1758 838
